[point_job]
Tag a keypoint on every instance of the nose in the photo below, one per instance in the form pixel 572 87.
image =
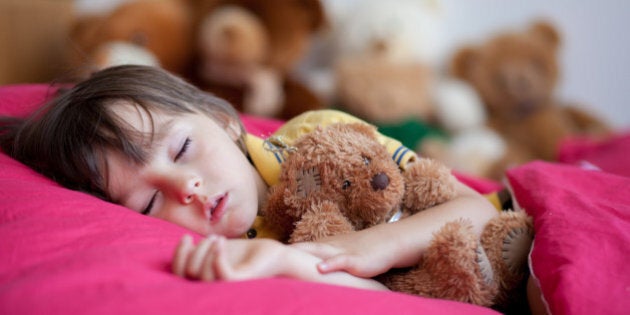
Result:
pixel 380 181
pixel 187 188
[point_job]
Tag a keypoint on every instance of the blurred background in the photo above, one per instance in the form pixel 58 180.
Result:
pixel 594 53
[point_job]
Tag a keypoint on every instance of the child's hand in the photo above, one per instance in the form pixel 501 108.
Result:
pixel 360 254
pixel 216 258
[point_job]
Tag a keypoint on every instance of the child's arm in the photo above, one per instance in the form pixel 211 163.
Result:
pixel 217 258
pixel 372 251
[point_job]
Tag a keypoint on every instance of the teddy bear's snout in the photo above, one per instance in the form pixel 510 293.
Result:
pixel 380 181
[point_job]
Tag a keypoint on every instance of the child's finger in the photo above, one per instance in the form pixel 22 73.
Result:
pixel 193 267
pixel 336 263
pixel 181 255
pixel 223 269
pixel 207 272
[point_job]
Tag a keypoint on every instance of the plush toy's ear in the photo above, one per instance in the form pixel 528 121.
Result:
pixel 318 17
pixel 464 61
pixel 365 129
pixel 547 32
pixel 84 32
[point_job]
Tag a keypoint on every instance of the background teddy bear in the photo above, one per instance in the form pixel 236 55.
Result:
pixel 385 65
pixel 516 74
pixel 341 179
pixel 148 32
pixel 247 49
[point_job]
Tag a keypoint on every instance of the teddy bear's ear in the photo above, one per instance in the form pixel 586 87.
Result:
pixel 366 129
pixel 317 16
pixel 84 31
pixel 464 61
pixel 547 32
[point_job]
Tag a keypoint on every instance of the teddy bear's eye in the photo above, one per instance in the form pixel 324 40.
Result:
pixel 346 184
pixel 366 160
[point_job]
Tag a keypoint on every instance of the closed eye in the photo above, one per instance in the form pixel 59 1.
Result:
pixel 149 206
pixel 183 149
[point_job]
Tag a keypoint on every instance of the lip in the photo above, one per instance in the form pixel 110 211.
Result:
pixel 218 207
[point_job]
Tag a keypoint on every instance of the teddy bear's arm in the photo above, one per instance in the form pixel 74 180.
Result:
pixel 427 183
pixel 321 220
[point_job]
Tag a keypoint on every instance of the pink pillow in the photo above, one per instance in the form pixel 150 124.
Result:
pixel 65 252
pixel 610 155
pixel 582 236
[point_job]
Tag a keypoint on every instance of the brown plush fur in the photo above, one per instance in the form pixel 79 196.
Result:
pixel 334 184
pixel 516 74
pixel 382 91
pixel 162 27
pixel 249 59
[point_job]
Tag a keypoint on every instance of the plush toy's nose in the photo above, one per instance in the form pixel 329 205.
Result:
pixel 380 181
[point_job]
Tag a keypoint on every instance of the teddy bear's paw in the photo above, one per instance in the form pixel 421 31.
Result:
pixel 485 267
pixel 507 240
pixel 516 245
pixel 455 267
pixel 427 183
pixel 322 220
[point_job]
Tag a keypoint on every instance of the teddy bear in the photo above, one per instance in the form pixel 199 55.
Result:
pixel 385 61
pixel 516 74
pixel 246 50
pixel 340 179
pixel 147 32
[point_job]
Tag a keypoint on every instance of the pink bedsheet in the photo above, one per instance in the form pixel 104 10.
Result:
pixel 65 252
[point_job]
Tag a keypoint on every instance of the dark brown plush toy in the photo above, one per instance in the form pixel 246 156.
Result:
pixel 246 51
pixel 516 74
pixel 341 179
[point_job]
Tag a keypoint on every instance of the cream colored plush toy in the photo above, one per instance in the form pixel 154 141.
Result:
pixel 386 61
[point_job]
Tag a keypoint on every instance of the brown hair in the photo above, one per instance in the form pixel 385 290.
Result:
pixel 67 138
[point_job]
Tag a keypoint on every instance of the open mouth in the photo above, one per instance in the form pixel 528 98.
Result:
pixel 217 208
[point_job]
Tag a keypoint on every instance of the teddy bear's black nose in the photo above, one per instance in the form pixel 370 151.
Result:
pixel 380 181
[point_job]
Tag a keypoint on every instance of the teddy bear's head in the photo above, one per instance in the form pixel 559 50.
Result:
pixel 139 31
pixel 275 33
pixel 341 165
pixel 515 73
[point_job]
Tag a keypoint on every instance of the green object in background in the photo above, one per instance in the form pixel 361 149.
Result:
pixel 411 132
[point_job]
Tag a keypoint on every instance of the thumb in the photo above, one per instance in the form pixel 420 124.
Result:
pixel 335 263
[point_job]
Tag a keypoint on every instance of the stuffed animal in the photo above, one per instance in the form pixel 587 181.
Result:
pixel 383 60
pixel 246 51
pixel 340 179
pixel 387 61
pixel 516 74
pixel 148 32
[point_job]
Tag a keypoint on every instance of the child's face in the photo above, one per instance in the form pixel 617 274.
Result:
pixel 196 175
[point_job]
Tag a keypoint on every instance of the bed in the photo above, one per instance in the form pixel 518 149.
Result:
pixel 65 252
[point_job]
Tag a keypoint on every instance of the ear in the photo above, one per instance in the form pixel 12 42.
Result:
pixel 464 61
pixel 547 32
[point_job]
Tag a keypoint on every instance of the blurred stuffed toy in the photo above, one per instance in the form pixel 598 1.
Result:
pixel 384 53
pixel 516 74
pixel 147 32
pixel 386 61
pixel 246 50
